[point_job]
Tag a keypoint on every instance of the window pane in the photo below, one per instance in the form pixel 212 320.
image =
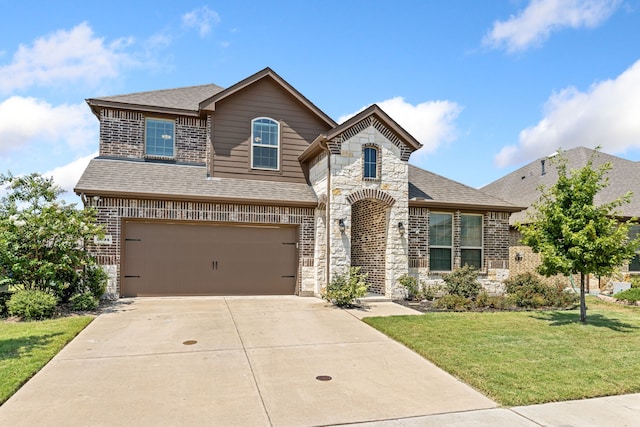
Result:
pixel 159 138
pixel 440 226
pixel 370 162
pixel 634 264
pixel 472 257
pixel 265 132
pixel 265 157
pixel 471 230
pixel 440 259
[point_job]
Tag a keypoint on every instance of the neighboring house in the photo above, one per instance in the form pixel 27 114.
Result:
pixel 522 188
pixel 254 190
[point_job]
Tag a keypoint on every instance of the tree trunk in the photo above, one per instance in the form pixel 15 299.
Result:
pixel 583 304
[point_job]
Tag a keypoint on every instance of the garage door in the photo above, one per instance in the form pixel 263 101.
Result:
pixel 164 259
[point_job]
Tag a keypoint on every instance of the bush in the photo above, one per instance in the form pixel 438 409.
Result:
pixel 528 290
pixel 630 295
pixel 453 302
pixel 4 298
pixel 635 282
pixel 410 285
pixel 84 302
pixel 496 302
pixel 344 289
pixel 430 292
pixel 32 304
pixel 463 282
pixel 95 281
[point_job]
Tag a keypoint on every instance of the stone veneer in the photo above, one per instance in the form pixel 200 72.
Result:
pixel 347 188
pixel 112 212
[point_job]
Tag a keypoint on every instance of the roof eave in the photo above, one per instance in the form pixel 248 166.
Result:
pixel 468 206
pixel 186 197
pixel 96 104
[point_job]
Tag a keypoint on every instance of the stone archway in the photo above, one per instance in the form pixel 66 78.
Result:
pixel 369 241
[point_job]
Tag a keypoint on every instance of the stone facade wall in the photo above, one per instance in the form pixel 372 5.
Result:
pixel 122 134
pixel 348 187
pixel 111 212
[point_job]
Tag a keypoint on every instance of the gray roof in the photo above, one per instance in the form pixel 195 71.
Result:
pixel 434 190
pixel 147 179
pixel 184 98
pixel 521 186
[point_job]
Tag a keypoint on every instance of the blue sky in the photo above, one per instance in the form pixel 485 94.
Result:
pixel 486 86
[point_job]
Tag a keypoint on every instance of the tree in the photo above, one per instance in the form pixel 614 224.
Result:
pixel 42 239
pixel 573 235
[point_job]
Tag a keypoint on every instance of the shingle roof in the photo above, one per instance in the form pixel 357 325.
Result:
pixel 184 98
pixel 145 179
pixel 434 190
pixel 521 186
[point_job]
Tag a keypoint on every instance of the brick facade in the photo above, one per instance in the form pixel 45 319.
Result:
pixel 368 241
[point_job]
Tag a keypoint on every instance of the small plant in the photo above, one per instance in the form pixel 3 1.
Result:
pixel 630 295
pixel 83 302
pixel 496 302
pixel 32 304
pixel 463 282
pixel 411 286
pixel 453 302
pixel 430 292
pixel 635 282
pixel 344 289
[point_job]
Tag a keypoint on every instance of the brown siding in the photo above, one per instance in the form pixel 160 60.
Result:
pixel 232 131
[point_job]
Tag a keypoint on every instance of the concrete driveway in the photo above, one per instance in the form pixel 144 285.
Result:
pixel 233 361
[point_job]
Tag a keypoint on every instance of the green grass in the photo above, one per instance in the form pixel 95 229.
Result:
pixel 523 358
pixel 25 347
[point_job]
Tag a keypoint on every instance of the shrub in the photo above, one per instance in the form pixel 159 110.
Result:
pixel 4 298
pixel 32 304
pixel 344 289
pixel 84 302
pixel 429 292
pixel 635 282
pixel 630 295
pixel 453 302
pixel 463 282
pixel 410 285
pixel 95 281
pixel 528 290
pixel 496 302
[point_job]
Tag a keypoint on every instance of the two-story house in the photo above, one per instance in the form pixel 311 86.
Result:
pixel 253 190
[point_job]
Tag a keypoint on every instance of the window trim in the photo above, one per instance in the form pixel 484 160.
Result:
pixel 276 147
pixel 173 138
pixel 378 167
pixel 481 247
pixel 432 246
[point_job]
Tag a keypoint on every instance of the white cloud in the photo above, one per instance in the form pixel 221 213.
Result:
pixel 24 120
pixel 606 115
pixel 431 123
pixel 535 23
pixel 203 19
pixel 64 57
pixel 67 176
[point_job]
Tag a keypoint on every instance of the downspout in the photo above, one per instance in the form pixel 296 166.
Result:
pixel 327 258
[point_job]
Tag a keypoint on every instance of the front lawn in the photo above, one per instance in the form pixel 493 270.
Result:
pixel 523 358
pixel 25 347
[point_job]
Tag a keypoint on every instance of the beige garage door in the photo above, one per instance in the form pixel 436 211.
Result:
pixel 164 259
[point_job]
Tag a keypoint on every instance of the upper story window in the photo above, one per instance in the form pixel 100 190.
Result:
pixel 159 138
pixel 370 163
pixel 265 143
pixel 471 240
pixel 440 241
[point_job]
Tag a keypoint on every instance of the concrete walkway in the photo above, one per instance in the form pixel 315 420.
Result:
pixel 255 361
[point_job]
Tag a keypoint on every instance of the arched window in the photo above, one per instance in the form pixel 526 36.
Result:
pixel 370 163
pixel 265 143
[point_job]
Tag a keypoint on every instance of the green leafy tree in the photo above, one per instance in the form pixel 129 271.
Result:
pixel 42 239
pixel 571 233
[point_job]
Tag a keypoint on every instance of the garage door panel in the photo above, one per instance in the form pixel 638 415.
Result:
pixel 194 259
